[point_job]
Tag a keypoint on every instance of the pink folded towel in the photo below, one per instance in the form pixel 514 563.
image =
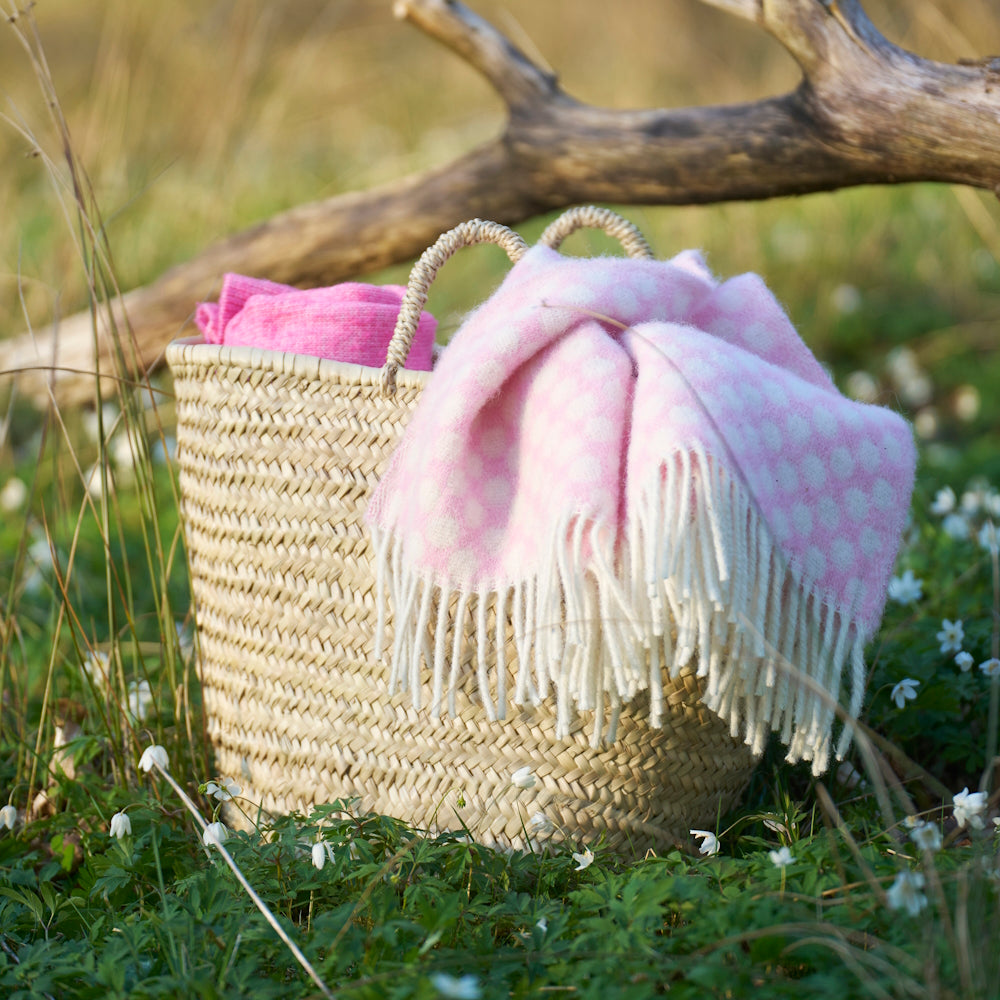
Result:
pixel 643 468
pixel 350 322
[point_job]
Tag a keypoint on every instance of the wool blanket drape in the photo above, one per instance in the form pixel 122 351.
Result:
pixel 642 468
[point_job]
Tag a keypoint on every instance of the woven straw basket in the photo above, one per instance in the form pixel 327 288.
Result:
pixel 278 454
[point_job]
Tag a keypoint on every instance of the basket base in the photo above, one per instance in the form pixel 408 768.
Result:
pixel 645 791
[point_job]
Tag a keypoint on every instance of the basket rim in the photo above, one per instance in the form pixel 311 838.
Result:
pixel 187 350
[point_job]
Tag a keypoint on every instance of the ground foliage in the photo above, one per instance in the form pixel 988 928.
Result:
pixel 97 663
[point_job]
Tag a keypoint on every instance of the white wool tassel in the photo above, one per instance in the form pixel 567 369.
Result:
pixel 456 649
pixel 440 643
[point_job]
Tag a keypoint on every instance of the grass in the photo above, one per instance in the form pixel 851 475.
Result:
pixel 96 661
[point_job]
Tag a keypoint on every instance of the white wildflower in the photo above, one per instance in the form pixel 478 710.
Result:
pixel 122 455
pixel 964 661
pixel 121 825
pixel 956 526
pixel 904 691
pixel 185 640
pixel 226 790
pixel 40 564
pixel 781 857
pixel 140 697
pixel 927 836
pixel 215 834
pixel 967 402
pixel 906 589
pixel 862 386
pixel 98 668
pixel 990 667
pixel 988 538
pixel 846 299
pixel 523 777
pixel 542 925
pixel 153 756
pixel 319 854
pixel 905 894
pixel 968 808
pixel 709 841
pixel 40 552
pixel 8 817
pixel 925 423
pixel 584 860
pixel 972 501
pixel 541 824
pixel 456 987
pixel 944 502
pixel 109 417
pixel 951 636
pixel 93 482
pixel 13 495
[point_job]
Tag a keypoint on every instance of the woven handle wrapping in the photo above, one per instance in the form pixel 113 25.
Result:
pixel 591 217
pixel 424 272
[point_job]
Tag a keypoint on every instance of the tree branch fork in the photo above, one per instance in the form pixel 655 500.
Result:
pixel 865 112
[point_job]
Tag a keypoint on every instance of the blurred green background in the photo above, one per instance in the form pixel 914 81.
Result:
pixel 197 118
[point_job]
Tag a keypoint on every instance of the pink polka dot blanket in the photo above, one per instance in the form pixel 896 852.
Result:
pixel 350 322
pixel 642 469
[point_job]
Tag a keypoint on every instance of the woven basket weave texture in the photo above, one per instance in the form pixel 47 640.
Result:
pixel 278 454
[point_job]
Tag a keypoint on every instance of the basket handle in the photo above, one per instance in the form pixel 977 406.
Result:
pixel 592 217
pixel 424 272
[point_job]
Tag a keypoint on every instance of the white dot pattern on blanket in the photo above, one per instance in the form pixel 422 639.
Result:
pixel 843 554
pixel 814 472
pixel 787 477
pixel 771 435
pixel 841 463
pixel 541 412
pixel 828 513
pixel 802 519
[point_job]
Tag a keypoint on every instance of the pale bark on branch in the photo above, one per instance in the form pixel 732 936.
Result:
pixel 865 112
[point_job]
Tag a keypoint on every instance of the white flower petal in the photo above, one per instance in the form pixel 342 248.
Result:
pixel 944 502
pixel 904 691
pixel 456 987
pixel 523 777
pixel 968 808
pixel 905 589
pixel 956 526
pixel 927 836
pixel 121 825
pixel 319 854
pixel 13 495
pixel 780 858
pixel 951 635
pixel 989 538
pixel 215 834
pixel 990 667
pixel 709 842
pixel 153 756
pixel 541 824
pixel 905 894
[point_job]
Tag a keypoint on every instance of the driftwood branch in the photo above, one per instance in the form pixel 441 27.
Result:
pixel 865 112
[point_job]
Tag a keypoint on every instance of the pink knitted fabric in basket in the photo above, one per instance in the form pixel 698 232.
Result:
pixel 350 322
pixel 644 466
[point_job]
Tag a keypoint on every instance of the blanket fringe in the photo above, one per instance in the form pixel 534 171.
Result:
pixel 702 586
